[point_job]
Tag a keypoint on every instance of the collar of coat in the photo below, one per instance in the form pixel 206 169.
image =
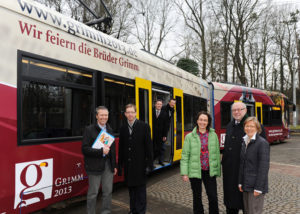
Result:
pixel 194 132
pixel 253 138
pixel 108 128
pixel 241 122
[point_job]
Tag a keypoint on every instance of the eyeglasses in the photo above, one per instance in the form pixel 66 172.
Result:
pixel 237 110
pixel 130 112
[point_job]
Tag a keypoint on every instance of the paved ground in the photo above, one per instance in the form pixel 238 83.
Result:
pixel 167 193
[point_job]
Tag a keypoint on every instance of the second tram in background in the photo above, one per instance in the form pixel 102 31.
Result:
pixel 271 109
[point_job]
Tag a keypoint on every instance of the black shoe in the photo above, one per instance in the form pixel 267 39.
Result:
pixel 161 163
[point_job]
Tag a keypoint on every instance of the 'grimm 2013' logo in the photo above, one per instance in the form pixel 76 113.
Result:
pixel 33 182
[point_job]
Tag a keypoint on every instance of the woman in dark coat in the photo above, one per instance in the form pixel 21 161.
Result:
pixel 254 167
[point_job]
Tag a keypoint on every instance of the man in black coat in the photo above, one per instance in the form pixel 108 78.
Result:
pixel 160 131
pixel 169 110
pixel 135 155
pixel 233 198
pixel 100 164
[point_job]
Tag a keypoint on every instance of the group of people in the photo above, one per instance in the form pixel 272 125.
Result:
pixel 245 163
pixel 161 120
pixel 135 158
pixel 245 160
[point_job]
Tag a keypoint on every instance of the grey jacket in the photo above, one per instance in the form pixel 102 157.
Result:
pixel 254 165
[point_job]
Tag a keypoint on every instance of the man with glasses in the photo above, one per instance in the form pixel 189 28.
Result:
pixel 233 198
pixel 135 155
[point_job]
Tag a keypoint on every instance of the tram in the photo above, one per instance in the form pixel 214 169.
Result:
pixel 270 108
pixel 54 72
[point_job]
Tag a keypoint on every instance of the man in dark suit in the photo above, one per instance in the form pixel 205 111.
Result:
pixel 160 131
pixel 135 155
pixel 233 198
pixel 169 108
pixel 100 164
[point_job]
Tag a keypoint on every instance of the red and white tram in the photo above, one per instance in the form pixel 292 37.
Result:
pixel 271 109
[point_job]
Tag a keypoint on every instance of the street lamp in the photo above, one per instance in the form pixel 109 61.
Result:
pixel 294 90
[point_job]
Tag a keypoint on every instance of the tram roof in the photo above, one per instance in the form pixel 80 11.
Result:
pixel 78 29
pixel 239 88
pixel 235 87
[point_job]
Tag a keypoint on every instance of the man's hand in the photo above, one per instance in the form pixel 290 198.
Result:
pixel 240 188
pixel 148 170
pixel 105 149
pixel 115 171
pixel 256 193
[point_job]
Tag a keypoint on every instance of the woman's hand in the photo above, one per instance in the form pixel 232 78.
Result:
pixel 256 193
pixel 185 178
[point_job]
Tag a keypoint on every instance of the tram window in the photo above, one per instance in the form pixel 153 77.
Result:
pixel 50 111
pixel 276 116
pixel 199 104
pixel 55 101
pixel 178 123
pixel 266 115
pixel 250 110
pixel 117 95
pixel 143 105
pixel 259 114
pixel 286 112
pixel 49 71
pixel 188 113
pixel 192 105
pixel 225 113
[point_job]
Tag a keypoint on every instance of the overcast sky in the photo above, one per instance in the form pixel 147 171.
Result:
pixel 287 2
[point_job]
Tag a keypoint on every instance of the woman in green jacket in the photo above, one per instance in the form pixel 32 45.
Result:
pixel 200 161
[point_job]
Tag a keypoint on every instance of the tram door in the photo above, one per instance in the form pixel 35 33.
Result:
pixel 143 100
pixel 250 109
pixel 178 124
pixel 164 95
pixel 258 112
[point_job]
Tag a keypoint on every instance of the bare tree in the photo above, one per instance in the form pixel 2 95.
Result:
pixel 221 10
pixel 152 23
pixel 243 16
pixel 58 5
pixel 265 32
pixel 122 13
pixel 193 14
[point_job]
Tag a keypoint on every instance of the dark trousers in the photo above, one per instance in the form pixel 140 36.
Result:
pixel 158 150
pixel 210 184
pixel 162 152
pixel 232 210
pixel 138 199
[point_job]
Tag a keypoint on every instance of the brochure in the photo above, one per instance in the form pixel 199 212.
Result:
pixel 103 138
